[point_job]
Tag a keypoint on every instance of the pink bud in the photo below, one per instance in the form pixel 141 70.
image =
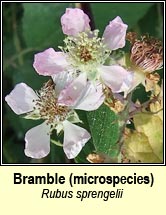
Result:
pixel 74 21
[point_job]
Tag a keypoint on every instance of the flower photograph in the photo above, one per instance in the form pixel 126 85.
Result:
pixel 82 83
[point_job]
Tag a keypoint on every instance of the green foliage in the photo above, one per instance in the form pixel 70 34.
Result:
pixel 130 13
pixel 145 144
pixel 41 24
pixel 104 130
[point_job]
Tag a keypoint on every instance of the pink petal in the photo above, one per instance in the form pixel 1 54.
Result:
pixel 75 138
pixel 37 141
pixel 71 94
pixel 74 21
pixel 115 34
pixel 116 78
pixel 62 80
pixel 21 99
pixel 91 99
pixel 49 62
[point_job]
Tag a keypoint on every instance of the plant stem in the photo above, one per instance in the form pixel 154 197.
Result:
pixel 123 118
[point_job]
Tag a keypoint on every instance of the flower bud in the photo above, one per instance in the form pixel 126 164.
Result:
pixel 74 21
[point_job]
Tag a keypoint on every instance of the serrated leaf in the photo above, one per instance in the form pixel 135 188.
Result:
pixel 151 125
pixel 138 149
pixel 145 144
pixel 104 129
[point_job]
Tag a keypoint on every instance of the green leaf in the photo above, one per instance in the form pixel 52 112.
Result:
pixel 145 144
pixel 103 125
pixel 152 22
pixel 41 24
pixel 152 126
pixel 130 13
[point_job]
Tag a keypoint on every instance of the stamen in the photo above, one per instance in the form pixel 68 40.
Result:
pixel 86 51
pixel 147 53
pixel 47 105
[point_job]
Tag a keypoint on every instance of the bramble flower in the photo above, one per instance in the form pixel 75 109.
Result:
pixel 146 56
pixel 85 52
pixel 55 104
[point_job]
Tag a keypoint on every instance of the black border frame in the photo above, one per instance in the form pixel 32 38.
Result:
pixel 105 164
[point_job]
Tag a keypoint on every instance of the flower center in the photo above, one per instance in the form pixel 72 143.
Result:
pixel 85 54
pixel 86 51
pixel 147 53
pixel 47 106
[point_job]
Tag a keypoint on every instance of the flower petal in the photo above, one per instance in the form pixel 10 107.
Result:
pixel 138 78
pixel 74 21
pixel 37 141
pixel 62 80
pixel 49 62
pixel 75 138
pixel 116 77
pixel 91 98
pixel 21 99
pixel 70 95
pixel 115 34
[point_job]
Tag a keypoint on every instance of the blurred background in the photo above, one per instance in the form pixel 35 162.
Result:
pixel 29 28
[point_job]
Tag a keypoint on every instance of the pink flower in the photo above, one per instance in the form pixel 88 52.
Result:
pixel 56 107
pixel 85 52
pixel 113 76
pixel 74 21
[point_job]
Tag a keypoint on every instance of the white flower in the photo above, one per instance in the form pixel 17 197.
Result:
pixel 56 107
